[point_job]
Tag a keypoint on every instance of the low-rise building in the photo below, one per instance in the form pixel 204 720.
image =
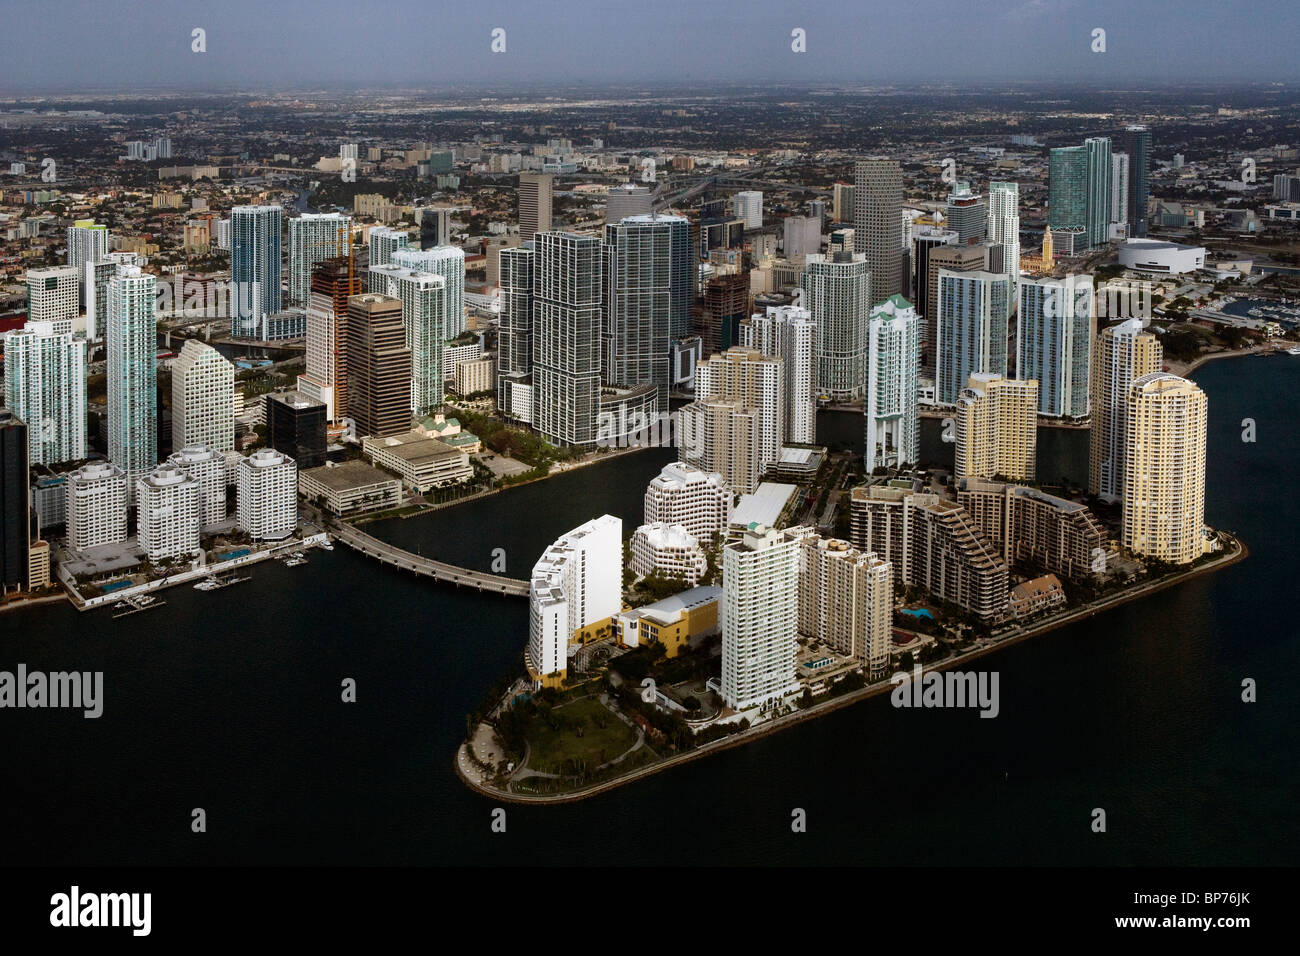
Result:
pixel 668 550
pixel 421 462
pixel 352 487
pixel 673 622
pixel 1040 594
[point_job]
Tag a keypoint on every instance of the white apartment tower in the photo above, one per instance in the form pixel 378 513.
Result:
pixel 313 238
pixel 268 494
pixel 891 414
pixel 1122 354
pixel 45 386
pixel 424 297
pixel 789 333
pixel 748 206
pixel 203 398
pixel 1004 225
pixel 699 501
pixel 575 584
pixel 760 618
pixel 207 466
pixel 445 261
pixel 52 296
pixel 96 506
pixel 838 291
pixel 168 513
pixel 132 375
pixel 383 242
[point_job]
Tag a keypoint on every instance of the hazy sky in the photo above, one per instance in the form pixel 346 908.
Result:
pixel 291 44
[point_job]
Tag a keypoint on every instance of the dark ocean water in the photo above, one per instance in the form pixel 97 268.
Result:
pixel 230 701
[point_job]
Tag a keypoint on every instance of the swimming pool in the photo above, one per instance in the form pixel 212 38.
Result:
pixel 919 612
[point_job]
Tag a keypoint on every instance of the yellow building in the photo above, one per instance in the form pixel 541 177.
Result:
pixel 997 428
pixel 1164 469
pixel 672 622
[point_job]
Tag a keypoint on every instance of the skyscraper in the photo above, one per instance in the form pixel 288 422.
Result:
pixel 1119 189
pixel 384 242
pixel 448 262
pixel 515 337
pixel 169 513
pixel 566 337
pixel 254 267
pixel 967 213
pixel 203 398
pixel 88 243
pixel 15 525
pixel 534 204
pixel 891 413
pixel 974 314
pixel 877 223
pixel 646 295
pixel 1137 144
pixel 45 386
pixel 755 381
pixel 748 207
pixel 1079 199
pixel 723 305
pixel 941 258
pixel 1164 470
pixel 1123 353
pixel 760 618
pixel 52 296
pixel 838 291
pixel 333 282
pixel 423 296
pixel 1054 342
pixel 295 426
pixel 132 375
pixel 789 333
pixel 313 238
pixel 627 199
pixel 997 428
pixel 379 365
pixel 1004 225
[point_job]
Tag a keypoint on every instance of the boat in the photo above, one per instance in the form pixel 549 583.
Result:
pixel 295 559
pixel 326 546
pixel 216 582
pixel 1293 350
pixel 134 605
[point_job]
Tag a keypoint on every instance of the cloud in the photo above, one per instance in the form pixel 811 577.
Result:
pixel 1034 9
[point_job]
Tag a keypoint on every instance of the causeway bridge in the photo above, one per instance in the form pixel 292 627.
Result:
pixel 386 553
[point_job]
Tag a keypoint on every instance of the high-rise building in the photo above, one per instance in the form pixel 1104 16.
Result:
pixel 627 199
pixel 203 398
pixel 1054 342
pixel 268 495
pixel 877 223
pixel 207 466
pixel 95 289
pixel 974 316
pixel 384 241
pixel 760 618
pixel 756 381
pixel 966 213
pixel 1164 469
pixel 15 523
pixel 723 305
pixel 515 336
pixel 838 290
pixel 748 207
pixel 295 426
pixel 1136 141
pixel 1004 225
pixel 1079 198
pixel 379 365
pixel 169 513
pixel 801 236
pixel 314 238
pixel 132 342
pixel 1122 354
pixel 789 333
pixel 699 501
pixel 88 243
pixel 646 292
pixel 254 266
pixel 52 296
pixel 96 506
pixel 534 203
pixel 575 589
pixel 1032 527
pixel 997 428
pixel 891 413
pixel 1119 188
pixel 332 283
pixel 721 435
pixel 842 202
pixel 448 262
pixel 940 258
pixel 423 296
pixel 45 386
pixel 566 337
pixel 846 599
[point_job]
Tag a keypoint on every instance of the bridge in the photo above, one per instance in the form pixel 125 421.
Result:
pixel 425 567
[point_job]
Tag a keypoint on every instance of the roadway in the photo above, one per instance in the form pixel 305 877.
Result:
pixel 425 567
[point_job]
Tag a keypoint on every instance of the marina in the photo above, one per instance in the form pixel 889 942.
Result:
pixel 218 581
pixel 136 604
